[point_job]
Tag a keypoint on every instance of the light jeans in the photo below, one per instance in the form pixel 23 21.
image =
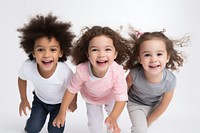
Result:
pixel 96 117
pixel 138 114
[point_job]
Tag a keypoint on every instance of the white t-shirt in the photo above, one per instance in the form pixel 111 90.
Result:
pixel 48 90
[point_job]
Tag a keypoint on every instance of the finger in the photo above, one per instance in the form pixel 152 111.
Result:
pixel 116 129
pixel 62 124
pixel 58 124
pixel 109 126
pixel 24 110
pixel 54 123
pixel 29 107
pixel 20 112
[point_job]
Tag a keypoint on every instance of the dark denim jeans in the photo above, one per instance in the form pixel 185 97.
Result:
pixel 38 116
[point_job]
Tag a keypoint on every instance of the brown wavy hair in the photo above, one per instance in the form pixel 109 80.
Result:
pixel 80 49
pixel 46 26
pixel 176 58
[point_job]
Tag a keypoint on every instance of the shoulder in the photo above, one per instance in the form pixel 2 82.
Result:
pixel 28 69
pixel 64 69
pixel 29 64
pixel 83 67
pixel 116 67
pixel 63 66
pixel 169 79
pixel 82 70
pixel 168 75
pixel 116 70
pixel 134 72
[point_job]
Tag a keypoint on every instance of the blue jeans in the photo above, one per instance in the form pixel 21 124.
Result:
pixel 38 115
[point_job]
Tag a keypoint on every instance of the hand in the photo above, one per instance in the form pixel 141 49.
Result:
pixel 73 106
pixel 22 107
pixel 112 125
pixel 59 121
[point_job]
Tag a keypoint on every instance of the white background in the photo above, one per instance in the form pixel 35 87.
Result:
pixel 178 17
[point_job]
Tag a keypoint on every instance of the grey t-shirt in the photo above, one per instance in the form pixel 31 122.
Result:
pixel 146 93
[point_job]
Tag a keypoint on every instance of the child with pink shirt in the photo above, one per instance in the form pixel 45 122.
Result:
pixel 99 78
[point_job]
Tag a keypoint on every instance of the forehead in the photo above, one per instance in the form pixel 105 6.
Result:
pixel 45 41
pixel 154 44
pixel 100 41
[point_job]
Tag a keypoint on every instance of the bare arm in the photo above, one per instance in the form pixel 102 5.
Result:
pixel 60 118
pixel 24 101
pixel 158 111
pixel 73 104
pixel 111 120
pixel 129 80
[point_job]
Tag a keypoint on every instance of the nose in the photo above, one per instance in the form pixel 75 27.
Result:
pixel 101 54
pixel 153 59
pixel 46 54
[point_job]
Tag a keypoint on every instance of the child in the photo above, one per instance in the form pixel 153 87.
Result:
pixel 98 77
pixel 47 43
pixel 151 85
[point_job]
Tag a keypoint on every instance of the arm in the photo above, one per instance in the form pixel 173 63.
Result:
pixel 129 80
pixel 111 120
pixel 60 118
pixel 24 101
pixel 158 111
pixel 73 104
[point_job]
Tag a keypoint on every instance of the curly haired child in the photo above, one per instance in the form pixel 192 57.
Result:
pixel 150 82
pixel 47 42
pixel 99 78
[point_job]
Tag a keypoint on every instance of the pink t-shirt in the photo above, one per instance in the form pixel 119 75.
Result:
pixel 99 90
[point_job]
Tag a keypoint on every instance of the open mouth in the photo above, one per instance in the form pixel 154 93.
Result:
pixel 47 62
pixel 101 62
pixel 154 66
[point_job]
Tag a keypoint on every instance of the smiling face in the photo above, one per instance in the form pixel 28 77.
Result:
pixel 101 53
pixel 46 52
pixel 153 57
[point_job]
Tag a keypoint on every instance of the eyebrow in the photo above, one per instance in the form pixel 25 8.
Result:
pixel 38 45
pixel 104 47
pixel 156 51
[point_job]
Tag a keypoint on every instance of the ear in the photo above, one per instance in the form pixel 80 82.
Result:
pixel 139 59
pixel 116 53
pixel 33 54
pixel 61 54
pixel 168 58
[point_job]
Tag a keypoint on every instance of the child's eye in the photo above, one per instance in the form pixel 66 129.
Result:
pixel 39 49
pixel 94 49
pixel 159 54
pixel 147 55
pixel 108 49
pixel 53 49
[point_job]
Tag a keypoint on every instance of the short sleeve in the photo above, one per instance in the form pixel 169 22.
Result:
pixel 21 72
pixel 171 84
pixel 77 81
pixel 120 85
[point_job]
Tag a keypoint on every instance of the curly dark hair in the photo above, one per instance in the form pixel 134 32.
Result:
pixel 46 26
pixel 176 58
pixel 80 49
